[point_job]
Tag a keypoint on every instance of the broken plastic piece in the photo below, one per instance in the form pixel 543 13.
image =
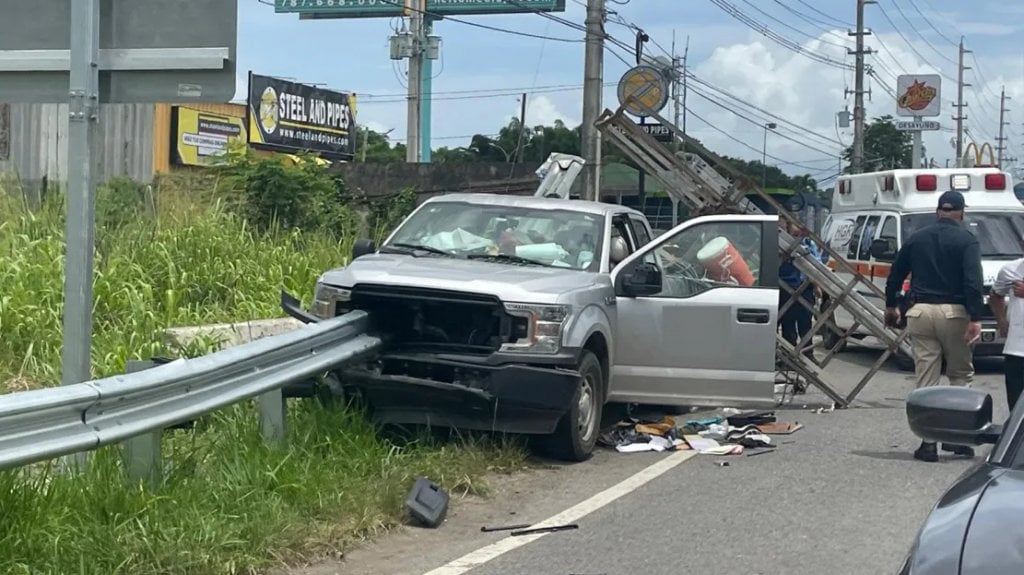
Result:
pixel 427 502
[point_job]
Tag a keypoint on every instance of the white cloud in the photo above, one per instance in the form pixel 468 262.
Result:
pixel 541 110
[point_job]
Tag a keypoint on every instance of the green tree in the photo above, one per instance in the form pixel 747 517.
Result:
pixel 378 148
pixel 885 147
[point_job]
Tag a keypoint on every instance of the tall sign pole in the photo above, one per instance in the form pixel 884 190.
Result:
pixel 593 80
pixel 918 96
pixel 418 45
pixel 415 82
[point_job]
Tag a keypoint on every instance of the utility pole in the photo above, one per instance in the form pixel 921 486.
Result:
pixel 857 161
pixel 415 80
pixel 960 105
pixel 680 109
pixel 593 81
pixel 1001 140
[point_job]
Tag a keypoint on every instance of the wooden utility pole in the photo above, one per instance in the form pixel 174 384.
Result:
pixel 857 160
pixel 1001 140
pixel 593 82
pixel 960 105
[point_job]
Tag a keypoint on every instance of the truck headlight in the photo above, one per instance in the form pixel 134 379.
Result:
pixel 329 301
pixel 543 327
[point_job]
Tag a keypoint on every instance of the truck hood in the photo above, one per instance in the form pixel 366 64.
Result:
pixel 507 282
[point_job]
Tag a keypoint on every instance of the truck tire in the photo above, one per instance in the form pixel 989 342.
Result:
pixel 576 435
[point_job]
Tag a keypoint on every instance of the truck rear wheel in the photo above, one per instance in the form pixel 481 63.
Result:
pixel 576 435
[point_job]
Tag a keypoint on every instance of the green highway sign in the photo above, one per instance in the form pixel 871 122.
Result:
pixel 318 9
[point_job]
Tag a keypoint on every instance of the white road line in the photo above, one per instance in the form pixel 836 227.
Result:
pixel 477 558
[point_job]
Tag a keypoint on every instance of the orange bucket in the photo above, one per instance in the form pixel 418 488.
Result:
pixel 724 263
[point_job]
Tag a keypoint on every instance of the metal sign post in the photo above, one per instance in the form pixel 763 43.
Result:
pixel 84 111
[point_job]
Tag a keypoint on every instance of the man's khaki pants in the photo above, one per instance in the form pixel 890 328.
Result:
pixel 937 331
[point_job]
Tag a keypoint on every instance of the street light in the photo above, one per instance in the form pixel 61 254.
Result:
pixel 764 154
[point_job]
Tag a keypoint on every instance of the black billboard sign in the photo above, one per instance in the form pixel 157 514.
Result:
pixel 290 117
pixel 660 132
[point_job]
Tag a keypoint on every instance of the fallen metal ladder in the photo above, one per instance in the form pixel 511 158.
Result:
pixel 688 178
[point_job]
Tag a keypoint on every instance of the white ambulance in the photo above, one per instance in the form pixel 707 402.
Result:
pixel 890 205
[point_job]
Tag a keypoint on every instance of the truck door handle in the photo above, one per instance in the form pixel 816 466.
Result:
pixel 747 315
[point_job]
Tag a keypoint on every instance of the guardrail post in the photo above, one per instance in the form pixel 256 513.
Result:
pixel 273 416
pixel 143 456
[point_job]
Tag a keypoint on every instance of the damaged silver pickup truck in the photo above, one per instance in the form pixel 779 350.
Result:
pixel 527 315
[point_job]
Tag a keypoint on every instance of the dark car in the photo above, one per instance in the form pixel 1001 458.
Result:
pixel 977 527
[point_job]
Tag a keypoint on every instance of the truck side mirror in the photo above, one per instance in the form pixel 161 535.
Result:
pixel 643 280
pixel 362 248
pixel 884 249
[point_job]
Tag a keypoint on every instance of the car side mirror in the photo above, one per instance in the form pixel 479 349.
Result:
pixel 643 279
pixel 363 247
pixel 954 415
pixel 884 249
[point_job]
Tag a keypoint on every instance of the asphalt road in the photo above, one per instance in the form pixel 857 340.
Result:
pixel 842 495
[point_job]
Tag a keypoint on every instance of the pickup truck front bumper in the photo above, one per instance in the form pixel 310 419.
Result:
pixel 444 391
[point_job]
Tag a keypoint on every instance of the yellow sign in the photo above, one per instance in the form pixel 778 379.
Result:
pixel 979 155
pixel 643 90
pixel 200 137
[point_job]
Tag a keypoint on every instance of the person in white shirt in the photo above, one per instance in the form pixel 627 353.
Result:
pixel 1007 302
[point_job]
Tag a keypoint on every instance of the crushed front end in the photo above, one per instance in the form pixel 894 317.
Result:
pixel 459 359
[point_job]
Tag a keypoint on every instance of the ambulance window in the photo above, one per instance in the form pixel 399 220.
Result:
pixel 869 234
pixel 851 253
pixel 889 230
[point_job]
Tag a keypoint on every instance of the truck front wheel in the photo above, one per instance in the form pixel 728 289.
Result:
pixel 576 435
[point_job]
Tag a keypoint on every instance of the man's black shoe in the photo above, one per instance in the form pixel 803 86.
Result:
pixel 927 452
pixel 962 450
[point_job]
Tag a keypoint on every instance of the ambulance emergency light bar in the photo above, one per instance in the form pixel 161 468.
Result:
pixel 960 182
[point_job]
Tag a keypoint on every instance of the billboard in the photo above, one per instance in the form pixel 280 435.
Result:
pixel 290 117
pixel 918 95
pixel 200 137
pixel 393 8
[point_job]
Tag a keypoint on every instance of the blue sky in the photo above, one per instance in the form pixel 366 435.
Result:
pixel 353 55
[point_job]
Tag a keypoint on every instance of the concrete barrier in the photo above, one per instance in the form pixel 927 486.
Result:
pixel 230 334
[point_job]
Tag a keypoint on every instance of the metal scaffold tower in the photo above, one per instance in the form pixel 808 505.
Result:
pixel 691 179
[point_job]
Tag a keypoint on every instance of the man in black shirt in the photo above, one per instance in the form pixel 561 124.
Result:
pixel 944 320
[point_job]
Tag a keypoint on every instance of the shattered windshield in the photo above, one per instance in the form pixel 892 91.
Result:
pixel 514 235
pixel 1001 235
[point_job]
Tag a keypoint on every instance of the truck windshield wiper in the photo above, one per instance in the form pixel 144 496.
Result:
pixel 419 247
pixel 505 257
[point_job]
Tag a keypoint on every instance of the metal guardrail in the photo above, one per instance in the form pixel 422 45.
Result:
pixel 43 424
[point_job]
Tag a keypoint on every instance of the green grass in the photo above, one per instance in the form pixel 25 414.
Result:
pixel 227 504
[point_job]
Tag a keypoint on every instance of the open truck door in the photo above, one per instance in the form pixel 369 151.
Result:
pixel 697 312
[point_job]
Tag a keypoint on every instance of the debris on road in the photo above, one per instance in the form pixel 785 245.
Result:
pixel 427 502
pixel 727 434
pixel 505 528
pixel 544 530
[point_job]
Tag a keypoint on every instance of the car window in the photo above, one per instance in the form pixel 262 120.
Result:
pixel 1001 234
pixel 889 230
pixel 858 229
pixel 639 231
pixel 864 252
pixel 709 255
pixel 552 237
